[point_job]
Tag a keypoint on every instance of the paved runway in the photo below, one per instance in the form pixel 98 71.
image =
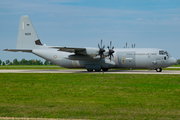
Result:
pixel 84 71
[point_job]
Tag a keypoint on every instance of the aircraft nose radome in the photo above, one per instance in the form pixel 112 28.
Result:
pixel 172 61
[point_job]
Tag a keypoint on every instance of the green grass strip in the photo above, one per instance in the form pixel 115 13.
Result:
pixel 89 96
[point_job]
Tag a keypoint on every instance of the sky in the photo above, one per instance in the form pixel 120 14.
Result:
pixel 83 23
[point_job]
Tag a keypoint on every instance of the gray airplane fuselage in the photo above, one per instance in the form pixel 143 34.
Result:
pixel 123 58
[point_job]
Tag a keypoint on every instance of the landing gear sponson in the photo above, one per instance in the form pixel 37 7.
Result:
pixel 106 69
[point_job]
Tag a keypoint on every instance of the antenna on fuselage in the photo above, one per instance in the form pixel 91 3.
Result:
pixel 126 44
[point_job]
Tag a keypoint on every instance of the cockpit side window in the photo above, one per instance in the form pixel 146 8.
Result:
pixel 164 58
pixel 165 52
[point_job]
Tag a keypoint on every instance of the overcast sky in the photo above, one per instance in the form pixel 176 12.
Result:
pixel 83 23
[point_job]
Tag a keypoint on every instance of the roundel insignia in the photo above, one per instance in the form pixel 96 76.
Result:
pixel 55 56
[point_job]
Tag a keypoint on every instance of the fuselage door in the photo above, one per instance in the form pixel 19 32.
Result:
pixel 123 60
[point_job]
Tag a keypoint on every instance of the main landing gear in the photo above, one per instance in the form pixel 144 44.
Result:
pixel 98 70
pixel 90 70
pixel 158 69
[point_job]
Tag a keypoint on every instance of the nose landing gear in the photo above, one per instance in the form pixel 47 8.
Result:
pixel 158 69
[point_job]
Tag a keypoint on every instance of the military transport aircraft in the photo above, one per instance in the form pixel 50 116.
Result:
pixel 90 58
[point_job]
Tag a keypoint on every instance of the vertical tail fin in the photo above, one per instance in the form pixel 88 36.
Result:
pixel 27 37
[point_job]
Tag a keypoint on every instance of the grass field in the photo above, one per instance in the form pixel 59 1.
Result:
pixel 175 66
pixel 90 96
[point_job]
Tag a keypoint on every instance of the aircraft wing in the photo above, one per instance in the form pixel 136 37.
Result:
pixel 79 51
pixel 70 49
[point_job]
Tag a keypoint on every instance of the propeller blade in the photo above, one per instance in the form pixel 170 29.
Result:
pixel 101 49
pixel 111 51
pixel 98 46
pixel 101 43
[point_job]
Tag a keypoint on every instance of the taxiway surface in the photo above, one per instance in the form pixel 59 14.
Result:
pixel 84 71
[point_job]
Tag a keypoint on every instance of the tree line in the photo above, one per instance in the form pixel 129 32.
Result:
pixel 25 62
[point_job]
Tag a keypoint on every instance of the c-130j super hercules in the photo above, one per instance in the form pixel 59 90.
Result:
pixel 90 58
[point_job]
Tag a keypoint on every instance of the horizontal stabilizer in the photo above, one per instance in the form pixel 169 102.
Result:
pixel 17 50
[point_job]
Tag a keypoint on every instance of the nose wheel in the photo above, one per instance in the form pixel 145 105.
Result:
pixel 158 69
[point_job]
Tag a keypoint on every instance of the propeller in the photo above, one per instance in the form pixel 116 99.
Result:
pixel 101 49
pixel 111 51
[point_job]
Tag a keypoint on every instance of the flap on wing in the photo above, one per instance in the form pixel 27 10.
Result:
pixel 17 50
pixel 69 49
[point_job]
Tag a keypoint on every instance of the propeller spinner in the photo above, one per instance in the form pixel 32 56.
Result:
pixel 111 51
pixel 101 49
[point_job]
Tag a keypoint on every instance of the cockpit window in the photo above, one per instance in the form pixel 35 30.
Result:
pixel 165 52
pixel 161 52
